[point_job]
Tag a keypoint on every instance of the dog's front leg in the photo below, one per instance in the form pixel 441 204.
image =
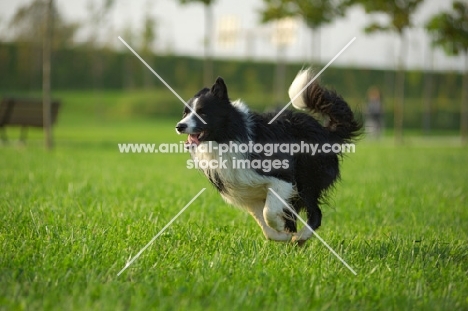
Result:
pixel 270 213
pixel 257 212
pixel 274 207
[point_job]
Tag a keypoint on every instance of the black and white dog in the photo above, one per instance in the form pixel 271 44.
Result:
pixel 300 179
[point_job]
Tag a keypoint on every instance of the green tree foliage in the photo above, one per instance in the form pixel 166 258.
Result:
pixel 315 13
pixel 449 31
pixel 400 13
pixel 28 25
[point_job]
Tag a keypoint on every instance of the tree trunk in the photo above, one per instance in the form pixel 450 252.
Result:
pixel 400 92
pixel 280 75
pixel 316 46
pixel 427 102
pixel 46 68
pixel 148 77
pixel 464 104
pixel 208 62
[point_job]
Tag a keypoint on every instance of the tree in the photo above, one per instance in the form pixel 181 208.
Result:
pixel 27 28
pixel 130 62
pixel 148 37
pixel 314 13
pixel 400 13
pixel 207 42
pixel 28 25
pixel 449 31
pixel 36 23
pixel 46 68
pixel 97 18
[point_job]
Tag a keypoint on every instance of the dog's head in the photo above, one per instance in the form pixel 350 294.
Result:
pixel 209 110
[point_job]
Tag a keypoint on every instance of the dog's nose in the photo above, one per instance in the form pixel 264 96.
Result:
pixel 180 127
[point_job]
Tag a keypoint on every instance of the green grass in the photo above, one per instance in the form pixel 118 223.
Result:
pixel 71 218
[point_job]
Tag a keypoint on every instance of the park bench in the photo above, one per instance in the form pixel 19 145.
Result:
pixel 24 113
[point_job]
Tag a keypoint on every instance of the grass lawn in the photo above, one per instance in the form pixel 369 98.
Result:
pixel 71 218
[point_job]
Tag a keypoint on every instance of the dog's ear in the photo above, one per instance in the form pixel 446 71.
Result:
pixel 202 92
pixel 219 89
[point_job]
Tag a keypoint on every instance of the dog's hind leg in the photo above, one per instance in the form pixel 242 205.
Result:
pixel 290 217
pixel 289 221
pixel 314 218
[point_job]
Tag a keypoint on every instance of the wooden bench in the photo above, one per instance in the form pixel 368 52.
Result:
pixel 25 113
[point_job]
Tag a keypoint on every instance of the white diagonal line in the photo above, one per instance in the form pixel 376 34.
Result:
pixel 159 233
pixel 311 81
pixel 316 235
pixel 162 80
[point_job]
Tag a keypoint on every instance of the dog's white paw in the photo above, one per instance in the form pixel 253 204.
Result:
pixel 274 235
pixel 275 221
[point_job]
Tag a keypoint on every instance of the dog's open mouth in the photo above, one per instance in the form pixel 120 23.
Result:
pixel 195 139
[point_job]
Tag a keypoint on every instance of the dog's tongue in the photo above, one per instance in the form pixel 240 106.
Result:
pixel 193 139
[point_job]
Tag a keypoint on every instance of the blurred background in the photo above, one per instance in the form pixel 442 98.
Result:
pixel 406 72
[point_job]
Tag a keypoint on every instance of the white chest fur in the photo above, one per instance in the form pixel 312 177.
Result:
pixel 241 186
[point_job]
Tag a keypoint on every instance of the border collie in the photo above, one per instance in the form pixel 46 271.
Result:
pixel 213 119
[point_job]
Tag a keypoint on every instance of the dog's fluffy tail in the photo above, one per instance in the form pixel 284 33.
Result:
pixel 316 98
